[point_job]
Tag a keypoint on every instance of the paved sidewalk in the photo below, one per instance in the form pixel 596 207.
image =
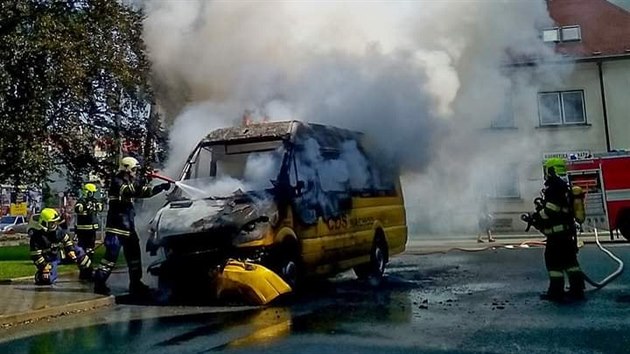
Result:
pixel 21 301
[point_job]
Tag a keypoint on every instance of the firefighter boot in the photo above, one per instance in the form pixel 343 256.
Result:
pixel 139 289
pixel 576 286
pixel 42 278
pixel 101 288
pixel 85 274
pixel 555 292
pixel 44 275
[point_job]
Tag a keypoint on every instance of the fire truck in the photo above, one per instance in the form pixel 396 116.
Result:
pixel 605 179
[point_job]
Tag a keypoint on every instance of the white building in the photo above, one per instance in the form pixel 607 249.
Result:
pixel 586 111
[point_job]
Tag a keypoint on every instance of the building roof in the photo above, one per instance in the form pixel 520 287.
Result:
pixel 605 27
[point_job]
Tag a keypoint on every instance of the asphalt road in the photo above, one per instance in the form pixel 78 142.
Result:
pixel 454 303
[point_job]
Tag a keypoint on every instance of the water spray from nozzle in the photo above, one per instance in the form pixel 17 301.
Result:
pixel 194 193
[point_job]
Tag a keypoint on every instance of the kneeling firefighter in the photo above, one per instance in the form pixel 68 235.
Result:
pixel 555 216
pixel 47 240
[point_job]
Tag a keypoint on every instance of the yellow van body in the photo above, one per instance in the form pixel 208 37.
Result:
pixel 328 207
pixel 338 244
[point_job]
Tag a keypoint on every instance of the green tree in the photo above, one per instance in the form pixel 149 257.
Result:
pixel 72 73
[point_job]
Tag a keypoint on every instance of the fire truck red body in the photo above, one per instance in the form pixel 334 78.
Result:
pixel 606 180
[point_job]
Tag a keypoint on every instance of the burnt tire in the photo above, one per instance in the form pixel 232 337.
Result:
pixel 623 223
pixel 174 285
pixel 373 271
pixel 286 263
pixel 166 290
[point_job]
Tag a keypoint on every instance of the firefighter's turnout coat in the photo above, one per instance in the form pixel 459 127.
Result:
pixel 87 213
pixel 121 214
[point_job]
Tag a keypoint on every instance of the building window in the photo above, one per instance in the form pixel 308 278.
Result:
pixel 505 119
pixel 506 182
pixel 562 34
pixel 561 108
pixel 570 33
pixel 551 35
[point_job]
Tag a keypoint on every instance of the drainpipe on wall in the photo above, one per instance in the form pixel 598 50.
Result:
pixel 603 94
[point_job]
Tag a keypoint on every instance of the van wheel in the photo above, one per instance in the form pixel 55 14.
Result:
pixel 288 263
pixel 166 290
pixel 373 271
pixel 623 223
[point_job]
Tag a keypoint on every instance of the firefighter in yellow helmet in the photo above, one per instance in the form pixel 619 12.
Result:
pixel 46 243
pixel 554 217
pixel 87 209
pixel 120 227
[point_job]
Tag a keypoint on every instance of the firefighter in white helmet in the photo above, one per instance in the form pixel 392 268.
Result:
pixel 120 227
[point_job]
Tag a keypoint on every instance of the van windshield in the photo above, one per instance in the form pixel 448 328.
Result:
pixel 220 170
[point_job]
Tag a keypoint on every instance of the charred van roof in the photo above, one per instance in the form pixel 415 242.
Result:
pixel 275 130
pixel 256 131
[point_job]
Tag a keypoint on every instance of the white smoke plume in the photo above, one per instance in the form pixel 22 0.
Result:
pixel 421 79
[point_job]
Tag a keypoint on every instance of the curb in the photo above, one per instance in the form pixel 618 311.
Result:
pixel 34 315
pixel 30 277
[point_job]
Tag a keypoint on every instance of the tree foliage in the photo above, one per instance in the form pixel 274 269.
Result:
pixel 73 75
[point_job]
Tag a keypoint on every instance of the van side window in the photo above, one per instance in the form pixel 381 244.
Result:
pixel 304 203
pixel 326 182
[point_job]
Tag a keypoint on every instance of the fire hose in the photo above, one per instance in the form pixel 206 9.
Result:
pixel 613 275
pixel 159 176
pixel 526 244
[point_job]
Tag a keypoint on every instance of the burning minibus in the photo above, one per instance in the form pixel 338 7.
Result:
pixel 261 207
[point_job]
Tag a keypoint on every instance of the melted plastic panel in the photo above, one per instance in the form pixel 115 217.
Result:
pixel 333 167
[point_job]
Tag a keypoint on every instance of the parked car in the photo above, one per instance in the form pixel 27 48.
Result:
pixel 13 224
pixel 32 224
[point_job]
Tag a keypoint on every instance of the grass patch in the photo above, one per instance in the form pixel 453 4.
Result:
pixel 15 262
pixel 18 269
pixel 14 253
